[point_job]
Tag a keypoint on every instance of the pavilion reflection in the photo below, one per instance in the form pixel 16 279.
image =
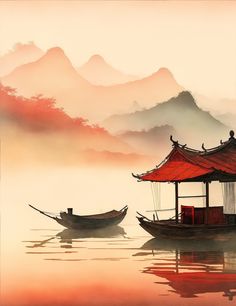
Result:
pixel 191 269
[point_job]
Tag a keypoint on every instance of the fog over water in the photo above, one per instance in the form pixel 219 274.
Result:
pixel 113 267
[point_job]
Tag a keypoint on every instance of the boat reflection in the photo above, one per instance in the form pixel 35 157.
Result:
pixel 222 243
pixel 191 268
pixel 41 243
pixel 68 235
pixel 108 232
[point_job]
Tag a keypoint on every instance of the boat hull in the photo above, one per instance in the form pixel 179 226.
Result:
pixel 171 230
pixel 91 222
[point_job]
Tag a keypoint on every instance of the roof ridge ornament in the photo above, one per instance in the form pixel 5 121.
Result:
pixel 204 147
pixel 231 134
pixel 175 143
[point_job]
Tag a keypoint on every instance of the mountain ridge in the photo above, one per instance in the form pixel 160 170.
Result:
pixel 54 75
pixel 19 55
pixel 180 112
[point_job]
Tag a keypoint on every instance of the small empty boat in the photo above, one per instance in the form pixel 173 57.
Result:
pixel 71 221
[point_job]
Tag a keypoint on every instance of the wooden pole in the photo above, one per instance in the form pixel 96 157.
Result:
pixel 176 202
pixel 207 202
pixel 42 212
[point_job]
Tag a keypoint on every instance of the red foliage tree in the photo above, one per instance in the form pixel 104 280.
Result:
pixel 39 113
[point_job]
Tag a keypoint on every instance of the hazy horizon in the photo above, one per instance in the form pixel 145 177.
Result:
pixel 195 40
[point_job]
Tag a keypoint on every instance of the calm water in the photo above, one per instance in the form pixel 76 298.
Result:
pixel 44 264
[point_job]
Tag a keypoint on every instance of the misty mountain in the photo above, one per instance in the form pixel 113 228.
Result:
pixel 153 141
pixel 182 113
pixel 215 105
pixel 108 158
pixel 228 119
pixel 98 72
pixel 34 130
pixel 19 55
pixel 53 75
pixel 53 70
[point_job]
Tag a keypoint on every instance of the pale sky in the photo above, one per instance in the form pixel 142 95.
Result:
pixel 195 40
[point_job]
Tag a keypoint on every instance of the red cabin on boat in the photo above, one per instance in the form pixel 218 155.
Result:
pixel 184 164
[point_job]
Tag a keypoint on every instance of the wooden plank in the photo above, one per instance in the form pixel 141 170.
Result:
pixel 192 196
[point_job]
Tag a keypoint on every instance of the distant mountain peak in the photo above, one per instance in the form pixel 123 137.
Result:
pixel 97 71
pixel 185 94
pixel 186 99
pixel 164 75
pixel 57 57
pixel 50 73
pixel 163 72
pixel 55 51
pixel 96 58
pixel 24 46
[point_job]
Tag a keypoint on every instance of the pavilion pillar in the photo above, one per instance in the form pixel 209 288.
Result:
pixel 176 202
pixel 207 202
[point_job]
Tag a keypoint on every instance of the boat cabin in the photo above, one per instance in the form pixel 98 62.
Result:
pixel 199 215
pixel 184 165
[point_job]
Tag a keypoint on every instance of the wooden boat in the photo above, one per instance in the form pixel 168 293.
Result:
pixel 171 229
pixel 184 165
pixel 71 221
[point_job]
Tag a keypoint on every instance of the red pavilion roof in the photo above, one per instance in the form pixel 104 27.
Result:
pixel 185 164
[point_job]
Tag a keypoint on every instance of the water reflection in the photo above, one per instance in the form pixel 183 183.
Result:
pixel 41 243
pixel 108 232
pixel 191 245
pixel 191 268
pixel 67 236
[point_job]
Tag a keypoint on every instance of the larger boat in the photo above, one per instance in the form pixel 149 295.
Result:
pixel 184 165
